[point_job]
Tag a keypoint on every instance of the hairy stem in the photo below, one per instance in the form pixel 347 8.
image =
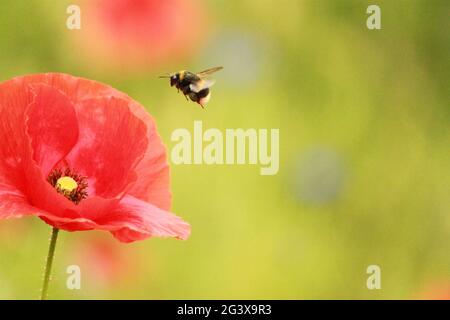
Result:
pixel 48 266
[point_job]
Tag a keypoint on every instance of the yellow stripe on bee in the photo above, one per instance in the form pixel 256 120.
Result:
pixel 182 74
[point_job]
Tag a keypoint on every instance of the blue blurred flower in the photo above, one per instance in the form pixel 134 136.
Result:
pixel 319 176
pixel 241 53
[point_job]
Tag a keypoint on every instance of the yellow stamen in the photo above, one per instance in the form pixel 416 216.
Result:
pixel 66 184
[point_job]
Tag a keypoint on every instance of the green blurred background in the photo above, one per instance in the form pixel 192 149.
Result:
pixel 364 156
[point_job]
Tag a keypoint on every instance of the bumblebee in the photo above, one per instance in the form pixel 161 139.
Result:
pixel 194 86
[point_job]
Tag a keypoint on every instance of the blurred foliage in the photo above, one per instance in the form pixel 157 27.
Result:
pixel 378 101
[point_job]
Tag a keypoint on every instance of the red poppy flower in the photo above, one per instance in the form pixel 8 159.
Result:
pixel 437 290
pixel 82 156
pixel 106 263
pixel 140 33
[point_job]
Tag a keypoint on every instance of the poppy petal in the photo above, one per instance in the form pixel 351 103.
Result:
pixel 77 89
pixel 17 167
pixel 153 177
pixel 111 142
pixel 14 204
pixel 134 219
pixel 15 151
pixel 52 126
pixel 68 224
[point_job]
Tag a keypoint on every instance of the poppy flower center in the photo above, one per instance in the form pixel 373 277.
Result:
pixel 70 184
pixel 66 184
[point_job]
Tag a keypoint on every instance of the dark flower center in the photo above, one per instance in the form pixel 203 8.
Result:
pixel 70 184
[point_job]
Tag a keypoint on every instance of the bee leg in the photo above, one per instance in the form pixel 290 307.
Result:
pixel 186 97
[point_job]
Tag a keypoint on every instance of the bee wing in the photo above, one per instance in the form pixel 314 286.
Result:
pixel 207 72
pixel 200 85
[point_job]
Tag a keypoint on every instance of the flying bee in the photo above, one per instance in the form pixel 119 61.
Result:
pixel 194 86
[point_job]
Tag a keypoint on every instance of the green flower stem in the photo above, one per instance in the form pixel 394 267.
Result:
pixel 48 266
